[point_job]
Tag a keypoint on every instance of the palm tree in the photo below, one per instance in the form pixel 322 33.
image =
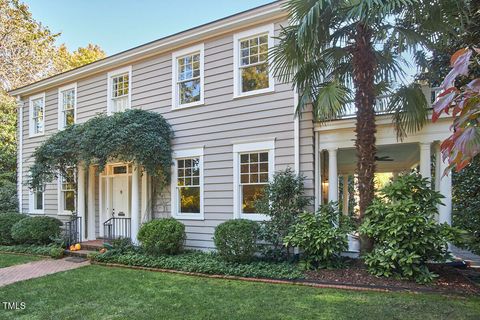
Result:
pixel 336 51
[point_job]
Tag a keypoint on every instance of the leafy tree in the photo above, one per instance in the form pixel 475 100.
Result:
pixel 336 49
pixel 66 60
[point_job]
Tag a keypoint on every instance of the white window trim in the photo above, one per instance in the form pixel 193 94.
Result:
pixel 73 86
pixel 237 37
pixel 60 210
pixel 31 209
pixel 187 153
pixel 179 54
pixel 268 145
pixel 112 74
pixel 30 115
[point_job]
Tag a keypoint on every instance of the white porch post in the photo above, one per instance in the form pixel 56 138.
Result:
pixel 345 195
pixel 425 159
pixel 332 175
pixel 135 204
pixel 144 204
pixel 445 188
pixel 91 204
pixel 81 199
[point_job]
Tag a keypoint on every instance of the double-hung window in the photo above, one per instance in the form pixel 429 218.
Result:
pixel 67 192
pixel 252 72
pixel 67 105
pixel 119 90
pixel 37 114
pixel 253 169
pixel 187 184
pixel 187 84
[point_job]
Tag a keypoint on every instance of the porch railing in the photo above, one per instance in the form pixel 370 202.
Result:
pixel 73 230
pixel 115 228
pixel 381 104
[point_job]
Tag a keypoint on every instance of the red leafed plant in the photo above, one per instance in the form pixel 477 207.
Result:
pixel 464 103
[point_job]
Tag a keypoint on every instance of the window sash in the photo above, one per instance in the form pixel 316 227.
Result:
pixel 188 178
pixel 120 84
pixel 252 164
pixel 38 200
pixel 38 113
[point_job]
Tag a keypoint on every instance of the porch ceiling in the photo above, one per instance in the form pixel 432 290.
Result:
pixel 404 155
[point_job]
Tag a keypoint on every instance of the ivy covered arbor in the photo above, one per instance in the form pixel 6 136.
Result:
pixel 134 140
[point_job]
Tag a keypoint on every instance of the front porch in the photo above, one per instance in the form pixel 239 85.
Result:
pixel 335 159
pixel 112 203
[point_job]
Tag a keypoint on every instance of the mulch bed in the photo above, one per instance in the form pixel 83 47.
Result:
pixel 450 280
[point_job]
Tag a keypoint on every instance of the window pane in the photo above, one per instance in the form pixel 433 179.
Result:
pixel 189 199
pixel 38 200
pixel 189 91
pixel 264 156
pixel 69 117
pixel 69 200
pixel 250 194
pixel 120 170
pixel 244 158
pixel 254 78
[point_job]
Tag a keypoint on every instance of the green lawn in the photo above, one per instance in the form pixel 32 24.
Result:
pixel 97 292
pixel 7 260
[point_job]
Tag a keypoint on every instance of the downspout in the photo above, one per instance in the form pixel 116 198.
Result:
pixel 296 133
pixel 20 153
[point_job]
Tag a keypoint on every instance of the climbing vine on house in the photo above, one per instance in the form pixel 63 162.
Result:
pixel 136 136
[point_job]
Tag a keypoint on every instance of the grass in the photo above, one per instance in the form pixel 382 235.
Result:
pixel 97 292
pixel 7 259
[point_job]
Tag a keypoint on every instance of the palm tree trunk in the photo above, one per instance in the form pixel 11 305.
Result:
pixel 364 66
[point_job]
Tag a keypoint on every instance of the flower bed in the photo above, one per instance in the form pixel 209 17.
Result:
pixel 202 262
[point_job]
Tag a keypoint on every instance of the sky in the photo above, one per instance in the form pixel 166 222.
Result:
pixel 118 25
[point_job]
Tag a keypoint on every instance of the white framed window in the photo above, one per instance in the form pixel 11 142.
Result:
pixel 187 184
pixel 67 106
pixel 187 77
pixel 253 168
pixel 37 115
pixel 36 202
pixel 252 73
pixel 119 90
pixel 67 193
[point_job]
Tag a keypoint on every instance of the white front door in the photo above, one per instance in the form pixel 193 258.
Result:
pixel 120 196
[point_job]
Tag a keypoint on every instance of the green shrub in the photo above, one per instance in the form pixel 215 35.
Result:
pixel 8 194
pixel 121 244
pixel 57 252
pixel 43 250
pixel 319 237
pixel 401 221
pixel 236 240
pixel 36 230
pixel 162 236
pixel 7 220
pixel 202 262
pixel 283 202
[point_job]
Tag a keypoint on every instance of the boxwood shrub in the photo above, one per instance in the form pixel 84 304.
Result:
pixel 36 230
pixel 162 236
pixel 236 240
pixel 7 220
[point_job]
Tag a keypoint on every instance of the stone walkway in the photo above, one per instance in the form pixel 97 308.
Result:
pixel 466 256
pixel 37 269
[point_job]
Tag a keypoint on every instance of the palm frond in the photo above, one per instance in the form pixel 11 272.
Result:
pixel 409 108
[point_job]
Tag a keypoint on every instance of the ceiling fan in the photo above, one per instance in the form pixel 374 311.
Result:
pixel 383 158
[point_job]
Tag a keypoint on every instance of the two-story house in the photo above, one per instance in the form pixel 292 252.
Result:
pixel 234 127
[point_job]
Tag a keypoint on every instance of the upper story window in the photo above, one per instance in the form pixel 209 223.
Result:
pixel 187 184
pixel 119 90
pixel 187 82
pixel 37 114
pixel 253 169
pixel 251 68
pixel 67 106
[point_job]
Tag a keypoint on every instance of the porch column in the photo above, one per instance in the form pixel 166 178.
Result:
pixel 144 205
pixel 345 195
pixel 135 204
pixel 91 204
pixel 332 175
pixel 445 188
pixel 81 199
pixel 425 159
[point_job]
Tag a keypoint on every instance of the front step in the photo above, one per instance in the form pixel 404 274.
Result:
pixel 79 253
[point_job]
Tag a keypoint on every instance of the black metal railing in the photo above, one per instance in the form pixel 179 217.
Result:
pixel 115 228
pixel 73 230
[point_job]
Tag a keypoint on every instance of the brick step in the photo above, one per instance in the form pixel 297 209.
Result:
pixel 80 253
pixel 91 247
